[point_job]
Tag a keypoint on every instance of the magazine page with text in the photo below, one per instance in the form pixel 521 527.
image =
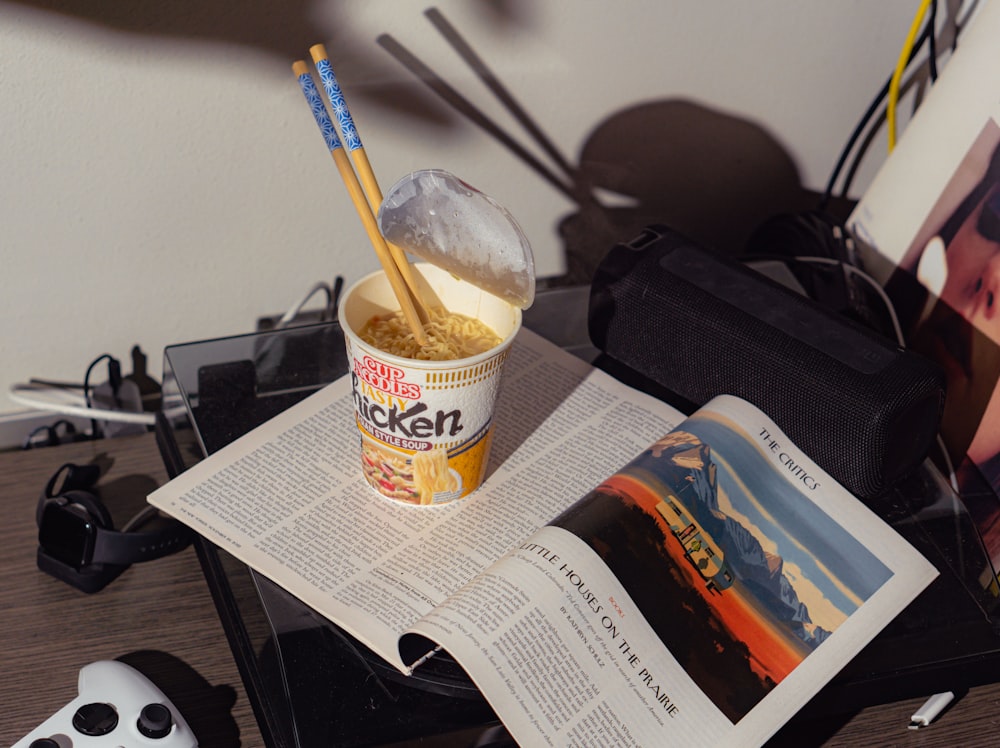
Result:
pixel 702 594
pixel 289 500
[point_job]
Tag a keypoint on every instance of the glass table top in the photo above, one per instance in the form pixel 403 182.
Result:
pixel 313 685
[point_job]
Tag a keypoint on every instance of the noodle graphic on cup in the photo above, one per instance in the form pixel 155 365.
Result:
pixel 426 424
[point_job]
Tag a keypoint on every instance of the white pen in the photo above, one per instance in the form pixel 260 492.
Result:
pixel 930 710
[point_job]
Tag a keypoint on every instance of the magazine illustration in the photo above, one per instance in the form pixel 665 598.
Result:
pixel 711 571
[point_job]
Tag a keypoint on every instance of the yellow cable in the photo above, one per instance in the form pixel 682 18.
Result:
pixel 897 75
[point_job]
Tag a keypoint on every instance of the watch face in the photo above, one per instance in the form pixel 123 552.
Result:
pixel 67 534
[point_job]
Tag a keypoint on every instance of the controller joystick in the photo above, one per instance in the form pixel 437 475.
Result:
pixel 155 721
pixel 116 706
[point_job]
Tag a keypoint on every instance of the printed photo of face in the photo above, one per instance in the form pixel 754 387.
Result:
pixel 962 331
pixel 972 285
pixel 948 295
pixel 972 288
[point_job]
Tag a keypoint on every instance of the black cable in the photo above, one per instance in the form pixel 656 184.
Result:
pixel 114 379
pixel 856 161
pixel 930 36
pixel 927 32
pixel 52 438
pixel 932 42
pixel 338 286
pixel 55 384
pixel 68 427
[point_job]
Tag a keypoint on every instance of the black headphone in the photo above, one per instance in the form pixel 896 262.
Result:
pixel 77 541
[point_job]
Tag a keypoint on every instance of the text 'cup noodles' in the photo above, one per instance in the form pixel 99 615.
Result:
pixel 425 426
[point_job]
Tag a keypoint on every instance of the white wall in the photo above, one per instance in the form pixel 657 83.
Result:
pixel 163 180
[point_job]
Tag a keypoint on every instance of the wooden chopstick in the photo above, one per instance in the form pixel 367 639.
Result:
pixel 357 195
pixel 351 139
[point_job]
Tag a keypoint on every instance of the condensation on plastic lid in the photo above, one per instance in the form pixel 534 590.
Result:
pixel 439 218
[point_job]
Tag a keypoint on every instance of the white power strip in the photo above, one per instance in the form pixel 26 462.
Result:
pixel 15 427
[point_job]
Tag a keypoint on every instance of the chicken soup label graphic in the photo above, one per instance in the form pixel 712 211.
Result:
pixel 425 432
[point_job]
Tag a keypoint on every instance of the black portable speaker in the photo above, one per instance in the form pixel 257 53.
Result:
pixel 701 324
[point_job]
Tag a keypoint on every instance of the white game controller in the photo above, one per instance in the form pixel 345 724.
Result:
pixel 117 707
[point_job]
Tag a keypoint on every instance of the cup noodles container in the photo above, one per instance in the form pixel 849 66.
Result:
pixel 425 426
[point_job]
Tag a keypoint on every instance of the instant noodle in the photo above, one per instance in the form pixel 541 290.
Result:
pixel 426 422
pixel 450 335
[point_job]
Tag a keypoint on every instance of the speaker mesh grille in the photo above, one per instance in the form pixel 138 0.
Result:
pixel 865 426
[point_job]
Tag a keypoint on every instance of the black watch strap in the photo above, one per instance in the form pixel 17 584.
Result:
pixel 116 547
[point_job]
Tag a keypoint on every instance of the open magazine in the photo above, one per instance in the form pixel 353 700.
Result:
pixel 625 576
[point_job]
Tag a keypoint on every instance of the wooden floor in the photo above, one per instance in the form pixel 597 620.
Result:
pixel 159 617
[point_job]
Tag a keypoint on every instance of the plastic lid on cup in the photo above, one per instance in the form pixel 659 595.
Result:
pixel 437 217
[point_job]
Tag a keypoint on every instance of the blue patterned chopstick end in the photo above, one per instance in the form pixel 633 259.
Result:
pixel 339 105
pixel 315 100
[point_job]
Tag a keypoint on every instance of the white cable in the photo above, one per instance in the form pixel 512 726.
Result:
pixel 292 313
pixel 847 268
pixel 17 394
pixel 901 339
pixel 61 400
pixel 55 394
pixel 931 709
pixel 949 466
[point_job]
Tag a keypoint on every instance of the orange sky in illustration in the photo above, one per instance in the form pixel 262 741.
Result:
pixel 774 654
